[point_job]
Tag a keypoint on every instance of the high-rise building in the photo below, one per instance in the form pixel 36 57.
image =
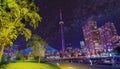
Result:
pixel 91 36
pixel 107 34
pixel 100 39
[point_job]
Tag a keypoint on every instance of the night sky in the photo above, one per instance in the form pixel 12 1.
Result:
pixel 75 14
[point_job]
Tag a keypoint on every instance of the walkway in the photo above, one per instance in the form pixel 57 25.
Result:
pixel 82 66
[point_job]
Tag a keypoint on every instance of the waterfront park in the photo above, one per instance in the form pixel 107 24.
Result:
pixel 14 16
pixel 22 47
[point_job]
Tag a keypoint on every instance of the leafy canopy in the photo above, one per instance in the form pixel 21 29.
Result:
pixel 14 16
pixel 38 45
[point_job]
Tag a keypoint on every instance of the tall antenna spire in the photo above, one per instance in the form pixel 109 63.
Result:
pixel 61 14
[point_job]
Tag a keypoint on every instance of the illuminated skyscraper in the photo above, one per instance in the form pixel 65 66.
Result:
pixel 91 36
pixel 107 34
pixel 99 39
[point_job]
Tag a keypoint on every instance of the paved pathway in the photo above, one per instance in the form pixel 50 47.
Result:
pixel 82 66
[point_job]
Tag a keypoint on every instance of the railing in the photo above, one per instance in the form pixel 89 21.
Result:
pixel 83 59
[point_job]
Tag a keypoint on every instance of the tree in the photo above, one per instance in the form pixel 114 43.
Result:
pixel 116 50
pixel 14 16
pixel 38 46
pixel 19 55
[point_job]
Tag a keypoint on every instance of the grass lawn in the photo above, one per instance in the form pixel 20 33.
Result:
pixel 28 65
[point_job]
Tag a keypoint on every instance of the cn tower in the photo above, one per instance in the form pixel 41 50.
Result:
pixel 61 22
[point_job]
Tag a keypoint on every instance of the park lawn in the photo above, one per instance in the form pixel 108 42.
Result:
pixel 28 65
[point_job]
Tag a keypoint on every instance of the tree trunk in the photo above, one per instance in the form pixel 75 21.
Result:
pixel 39 60
pixel 28 56
pixel 1 51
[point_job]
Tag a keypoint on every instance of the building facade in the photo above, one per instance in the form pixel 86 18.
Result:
pixel 107 34
pixel 97 39
pixel 91 36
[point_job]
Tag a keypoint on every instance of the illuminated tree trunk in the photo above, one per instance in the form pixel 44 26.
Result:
pixel 1 51
pixel 39 60
pixel 28 57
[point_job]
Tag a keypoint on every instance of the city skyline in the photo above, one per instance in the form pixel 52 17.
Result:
pixel 60 34
pixel 75 15
pixel 104 38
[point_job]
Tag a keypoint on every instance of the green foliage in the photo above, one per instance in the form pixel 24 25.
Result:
pixel 38 45
pixel 19 55
pixel 117 50
pixel 39 50
pixel 14 16
pixel 36 40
